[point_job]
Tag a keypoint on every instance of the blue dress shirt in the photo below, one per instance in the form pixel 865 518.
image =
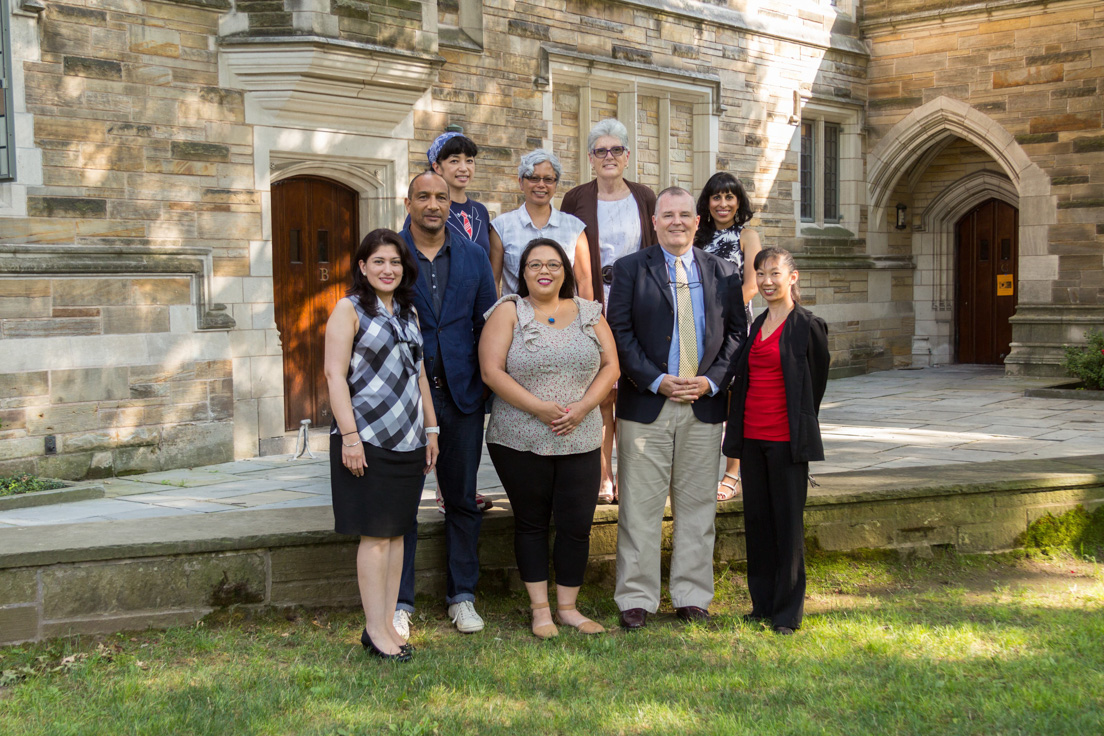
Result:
pixel 697 300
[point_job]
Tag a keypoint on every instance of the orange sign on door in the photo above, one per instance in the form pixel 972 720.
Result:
pixel 1004 284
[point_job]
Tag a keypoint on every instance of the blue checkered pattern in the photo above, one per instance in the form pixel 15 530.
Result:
pixel 383 380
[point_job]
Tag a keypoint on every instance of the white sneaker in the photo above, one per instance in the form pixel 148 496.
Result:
pixel 464 616
pixel 401 622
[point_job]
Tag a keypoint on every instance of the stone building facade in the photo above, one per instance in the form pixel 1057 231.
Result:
pixel 188 173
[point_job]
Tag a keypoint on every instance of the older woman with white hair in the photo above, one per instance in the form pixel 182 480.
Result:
pixel 538 174
pixel 618 216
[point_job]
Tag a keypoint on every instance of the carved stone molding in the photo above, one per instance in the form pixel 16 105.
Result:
pixel 110 260
pixel 323 83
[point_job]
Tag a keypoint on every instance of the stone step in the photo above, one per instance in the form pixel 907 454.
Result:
pixel 109 576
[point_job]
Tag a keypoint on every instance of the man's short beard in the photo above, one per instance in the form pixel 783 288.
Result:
pixel 434 231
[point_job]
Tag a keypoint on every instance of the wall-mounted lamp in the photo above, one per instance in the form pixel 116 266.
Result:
pixel 901 221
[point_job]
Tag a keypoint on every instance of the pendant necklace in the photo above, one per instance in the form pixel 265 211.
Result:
pixel 551 317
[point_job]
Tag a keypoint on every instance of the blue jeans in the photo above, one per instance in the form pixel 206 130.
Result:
pixel 461 443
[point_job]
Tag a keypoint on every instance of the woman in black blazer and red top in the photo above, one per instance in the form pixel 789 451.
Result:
pixel 779 380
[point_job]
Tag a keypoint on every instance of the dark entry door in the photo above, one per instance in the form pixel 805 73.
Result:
pixel 987 281
pixel 314 229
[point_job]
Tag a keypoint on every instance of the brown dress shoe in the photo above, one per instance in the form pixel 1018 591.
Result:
pixel 692 613
pixel 633 618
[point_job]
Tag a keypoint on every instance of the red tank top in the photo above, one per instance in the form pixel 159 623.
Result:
pixel 765 415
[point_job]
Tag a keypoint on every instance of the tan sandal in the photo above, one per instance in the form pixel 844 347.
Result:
pixel 605 493
pixel 586 627
pixel 544 631
pixel 733 488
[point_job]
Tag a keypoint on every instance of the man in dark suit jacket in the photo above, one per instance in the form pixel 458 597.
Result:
pixel 454 288
pixel 677 315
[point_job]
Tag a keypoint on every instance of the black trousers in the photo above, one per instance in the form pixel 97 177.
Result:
pixel 775 489
pixel 544 488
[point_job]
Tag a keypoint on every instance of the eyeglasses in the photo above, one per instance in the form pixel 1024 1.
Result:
pixel 695 284
pixel 536 266
pixel 616 151
pixel 548 180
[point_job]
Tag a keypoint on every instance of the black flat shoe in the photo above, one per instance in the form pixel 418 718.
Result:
pixel 783 631
pixel 370 647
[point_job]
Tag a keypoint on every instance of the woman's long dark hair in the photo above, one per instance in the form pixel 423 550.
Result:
pixel 363 292
pixel 722 181
pixel 567 288
pixel 786 259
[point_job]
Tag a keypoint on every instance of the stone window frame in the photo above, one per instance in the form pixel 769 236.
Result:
pixel 23 46
pixel 630 81
pixel 850 165
pixel 7 117
pixel 468 34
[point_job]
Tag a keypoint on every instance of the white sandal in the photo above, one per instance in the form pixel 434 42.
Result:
pixel 606 496
pixel 733 488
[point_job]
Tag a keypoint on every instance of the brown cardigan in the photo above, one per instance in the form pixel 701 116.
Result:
pixel 582 201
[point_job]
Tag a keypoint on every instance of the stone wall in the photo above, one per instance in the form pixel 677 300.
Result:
pixel 85 579
pixel 106 415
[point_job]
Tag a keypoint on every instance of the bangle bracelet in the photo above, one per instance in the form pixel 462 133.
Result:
pixel 352 445
pixel 433 430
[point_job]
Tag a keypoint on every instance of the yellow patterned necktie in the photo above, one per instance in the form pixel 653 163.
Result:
pixel 688 332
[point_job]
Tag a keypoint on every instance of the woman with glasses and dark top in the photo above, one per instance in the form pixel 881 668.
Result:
pixel 724 209
pixel 538 174
pixel 618 217
pixel 384 436
pixel 780 375
pixel 550 358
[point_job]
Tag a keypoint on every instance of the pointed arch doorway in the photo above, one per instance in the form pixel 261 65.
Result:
pixel 314 235
pixel 986 255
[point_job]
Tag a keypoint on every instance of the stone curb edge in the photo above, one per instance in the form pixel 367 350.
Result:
pixel 69 494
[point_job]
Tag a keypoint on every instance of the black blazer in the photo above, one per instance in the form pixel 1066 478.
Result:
pixel 804 353
pixel 641 315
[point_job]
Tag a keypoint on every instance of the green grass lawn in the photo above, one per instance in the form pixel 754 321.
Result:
pixel 958 645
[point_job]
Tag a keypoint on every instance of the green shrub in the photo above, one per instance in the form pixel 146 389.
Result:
pixel 1087 363
pixel 26 483
pixel 1075 531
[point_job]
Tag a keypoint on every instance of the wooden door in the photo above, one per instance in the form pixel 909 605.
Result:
pixel 314 231
pixel 987 282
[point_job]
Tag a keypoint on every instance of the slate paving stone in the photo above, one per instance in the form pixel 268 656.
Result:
pixel 894 419
pixel 150 511
pixel 188 478
pixel 259 499
pixel 197 505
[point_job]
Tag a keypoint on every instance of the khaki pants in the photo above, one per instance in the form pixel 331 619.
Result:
pixel 675 455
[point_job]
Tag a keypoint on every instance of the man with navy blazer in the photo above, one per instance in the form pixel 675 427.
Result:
pixel 677 315
pixel 455 287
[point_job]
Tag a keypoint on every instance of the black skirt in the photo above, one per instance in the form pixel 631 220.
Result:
pixel 384 501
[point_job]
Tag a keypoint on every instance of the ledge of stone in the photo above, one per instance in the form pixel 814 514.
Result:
pixel 1074 391
pixel 244 530
pixel 69 494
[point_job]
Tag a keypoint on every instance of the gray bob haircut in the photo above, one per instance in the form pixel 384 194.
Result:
pixel 609 126
pixel 537 157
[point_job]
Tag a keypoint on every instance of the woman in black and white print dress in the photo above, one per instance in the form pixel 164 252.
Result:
pixel 724 209
pixel 384 436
